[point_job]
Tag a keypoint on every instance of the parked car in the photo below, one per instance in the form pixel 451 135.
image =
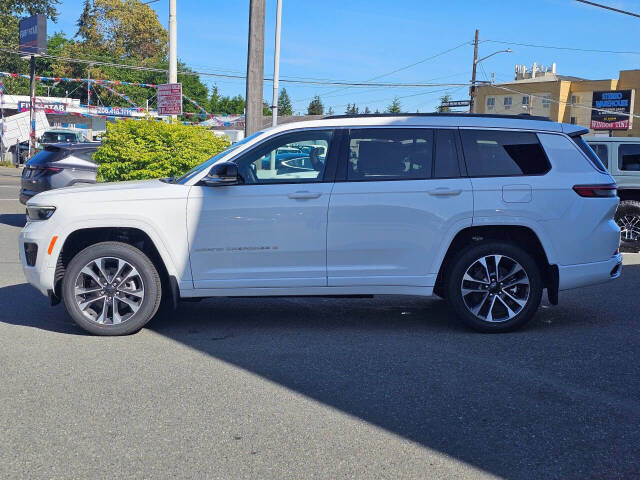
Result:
pixel 484 211
pixel 621 156
pixel 57 166
pixel 62 135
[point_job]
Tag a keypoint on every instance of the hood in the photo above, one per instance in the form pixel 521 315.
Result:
pixel 116 191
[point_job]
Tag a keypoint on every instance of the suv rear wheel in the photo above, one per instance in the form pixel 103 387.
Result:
pixel 111 288
pixel 628 219
pixel 494 286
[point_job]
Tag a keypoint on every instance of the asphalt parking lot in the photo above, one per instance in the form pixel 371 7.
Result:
pixel 390 387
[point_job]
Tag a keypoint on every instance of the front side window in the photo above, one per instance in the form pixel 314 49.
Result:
pixel 629 157
pixel 495 153
pixel 390 154
pixel 297 157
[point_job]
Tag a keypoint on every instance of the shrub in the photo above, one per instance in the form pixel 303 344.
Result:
pixel 142 149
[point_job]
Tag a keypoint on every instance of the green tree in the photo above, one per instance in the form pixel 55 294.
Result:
pixel 366 110
pixel 315 106
pixel 284 103
pixel 444 99
pixel 394 107
pixel 330 111
pixel 266 109
pixel 226 105
pixel 141 149
pixel 352 109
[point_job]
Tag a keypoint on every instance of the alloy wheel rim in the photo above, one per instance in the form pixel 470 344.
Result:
pixel 495 288
pixel 629 228
pixel 109 291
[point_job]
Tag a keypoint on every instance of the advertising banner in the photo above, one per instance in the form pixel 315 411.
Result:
pixel 612 110
pixel 48 108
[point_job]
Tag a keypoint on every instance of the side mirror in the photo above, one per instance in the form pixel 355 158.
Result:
pixel 222 174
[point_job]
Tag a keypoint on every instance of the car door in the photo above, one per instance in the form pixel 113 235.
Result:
pixel 400 200
pixel 269 230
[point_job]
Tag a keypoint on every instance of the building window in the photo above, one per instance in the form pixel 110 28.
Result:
pixel 575 99
pixel 525 100
pixel 507 103
pixel 491 102
pixel 546 101
pixel 573 120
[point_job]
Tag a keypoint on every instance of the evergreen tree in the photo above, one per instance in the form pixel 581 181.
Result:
pixel 330 111
pixel 443 99
pixel 284 103
pixel 366 110
pixel 395 106
pixel 315 106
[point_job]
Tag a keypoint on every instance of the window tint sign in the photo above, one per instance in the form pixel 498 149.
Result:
pixel 33 35
pixel 612 110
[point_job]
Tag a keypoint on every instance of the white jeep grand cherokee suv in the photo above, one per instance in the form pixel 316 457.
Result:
pixel 484 211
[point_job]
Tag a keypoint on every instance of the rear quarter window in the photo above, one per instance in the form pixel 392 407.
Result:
pixel 496 153
pixel 587 150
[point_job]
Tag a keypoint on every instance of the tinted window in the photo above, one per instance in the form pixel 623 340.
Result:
pixel 56 137
pixel 492 153
pixel 390 154
pixel 593 158
pixel 629 157
pixel 297 157
pixel 446 162
pixel 602 151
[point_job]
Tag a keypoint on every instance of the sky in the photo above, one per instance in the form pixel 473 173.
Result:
pixel 358 40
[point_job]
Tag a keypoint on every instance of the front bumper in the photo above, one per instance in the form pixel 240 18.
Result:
pixel 584 274
pixel 41 274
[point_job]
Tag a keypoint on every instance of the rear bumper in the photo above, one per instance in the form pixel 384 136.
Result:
pixel 584 274
pixel 25 195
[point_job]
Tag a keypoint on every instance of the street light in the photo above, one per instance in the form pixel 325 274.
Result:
pixel 476 61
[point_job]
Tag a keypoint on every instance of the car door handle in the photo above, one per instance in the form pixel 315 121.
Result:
pixel 444 192
pixel 304 195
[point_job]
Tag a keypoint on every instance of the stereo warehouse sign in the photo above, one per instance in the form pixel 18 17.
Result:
pixel 612 110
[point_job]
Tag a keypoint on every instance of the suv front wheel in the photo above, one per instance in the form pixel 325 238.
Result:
pixel 494 286
pixel 111 288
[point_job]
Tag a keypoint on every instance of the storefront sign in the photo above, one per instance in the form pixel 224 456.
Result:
pixel 612 110
pixel 114 111
pixel 456 103
pixel 48 108
pixel 33 35
pixel 170 99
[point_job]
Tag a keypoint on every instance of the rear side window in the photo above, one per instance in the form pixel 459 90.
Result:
pixel 390 154
pixel 586 149
pixel 86 155
pixel 602 151
pixel 629 157
pixel 45 156
pixel 495 153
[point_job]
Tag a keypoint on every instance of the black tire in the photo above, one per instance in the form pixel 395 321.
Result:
pixel 466 259
pixel 147 273
pixel 628 219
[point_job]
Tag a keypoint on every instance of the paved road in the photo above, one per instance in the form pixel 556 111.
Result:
pixel 318 388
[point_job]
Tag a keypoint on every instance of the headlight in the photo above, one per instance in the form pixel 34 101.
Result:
pixel 40 213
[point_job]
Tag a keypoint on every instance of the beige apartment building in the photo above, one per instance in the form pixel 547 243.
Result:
pixel 541 91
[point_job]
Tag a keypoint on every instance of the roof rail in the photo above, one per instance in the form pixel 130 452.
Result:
pixel 520 116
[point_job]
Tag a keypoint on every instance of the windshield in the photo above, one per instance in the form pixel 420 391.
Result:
pixel 203 166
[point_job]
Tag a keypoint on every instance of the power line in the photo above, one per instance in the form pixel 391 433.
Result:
pixel 571 49
pixel 607 7
pixel 211 74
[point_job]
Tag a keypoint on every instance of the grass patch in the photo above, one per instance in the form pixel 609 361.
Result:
pixel 7 163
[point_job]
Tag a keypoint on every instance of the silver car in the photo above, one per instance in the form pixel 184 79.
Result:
pixel 59 165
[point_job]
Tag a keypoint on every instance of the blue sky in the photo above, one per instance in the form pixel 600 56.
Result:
pixel 358 40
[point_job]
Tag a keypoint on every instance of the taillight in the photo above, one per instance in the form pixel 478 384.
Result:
pixel 596 191
pixel 47 170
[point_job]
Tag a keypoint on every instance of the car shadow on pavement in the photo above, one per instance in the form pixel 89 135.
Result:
pixel 13 219
pixel 558 399
pixel 24 306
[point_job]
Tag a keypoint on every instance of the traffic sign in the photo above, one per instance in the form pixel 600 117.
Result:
pixel 170 99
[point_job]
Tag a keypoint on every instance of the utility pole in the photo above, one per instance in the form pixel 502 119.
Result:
pixel 276 65
pixel 173 46
pixel 32 111
pixel 255 67
pixel 2 127
pixel 472 91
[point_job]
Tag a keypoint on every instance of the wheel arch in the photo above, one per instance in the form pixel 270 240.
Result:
pixel 519 235
pixel 82 238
